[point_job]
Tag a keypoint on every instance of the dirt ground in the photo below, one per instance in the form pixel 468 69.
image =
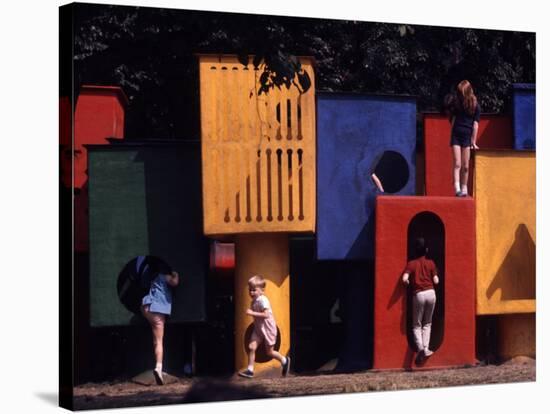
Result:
pixel 129 394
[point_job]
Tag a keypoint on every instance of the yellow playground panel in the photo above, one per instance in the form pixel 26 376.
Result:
pixel 258 150
pixel 506 238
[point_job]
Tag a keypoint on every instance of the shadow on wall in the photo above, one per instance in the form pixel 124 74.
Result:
pixel 316 322
pixel 364 241
pixel 516 276
pixel 356 300
pixel 392 171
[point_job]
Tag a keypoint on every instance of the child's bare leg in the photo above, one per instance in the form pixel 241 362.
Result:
pixel 270 351
pixel 158 335
pixel 252 347
pixel 465 161
pixel 156 321
pixel 456 166
pixel 285 361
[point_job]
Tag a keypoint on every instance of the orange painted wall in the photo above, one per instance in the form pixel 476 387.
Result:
pixel 506 231
pixel 258 150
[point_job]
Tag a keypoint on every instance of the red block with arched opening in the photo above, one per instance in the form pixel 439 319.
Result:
pixel 448 225
pixel 495 132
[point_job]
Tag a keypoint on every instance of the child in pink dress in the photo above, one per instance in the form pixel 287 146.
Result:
pixel 265 328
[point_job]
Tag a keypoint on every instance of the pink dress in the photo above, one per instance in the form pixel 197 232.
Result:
pixel 264 328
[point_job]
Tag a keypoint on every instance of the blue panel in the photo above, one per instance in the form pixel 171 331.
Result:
pixel 353 134
pixel 524 103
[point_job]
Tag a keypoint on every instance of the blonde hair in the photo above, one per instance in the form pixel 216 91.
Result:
pixel 256 281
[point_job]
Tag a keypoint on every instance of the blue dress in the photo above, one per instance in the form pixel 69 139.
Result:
pixel 160 296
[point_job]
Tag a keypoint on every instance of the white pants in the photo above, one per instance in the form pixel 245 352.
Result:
pixel 423 309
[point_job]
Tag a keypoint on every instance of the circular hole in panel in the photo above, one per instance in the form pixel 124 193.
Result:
pixel 135 279
pixel 393 171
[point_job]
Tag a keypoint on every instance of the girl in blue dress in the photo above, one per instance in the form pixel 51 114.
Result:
pixel 155 306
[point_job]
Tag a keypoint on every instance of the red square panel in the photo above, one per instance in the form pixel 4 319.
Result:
pixel 495 132
pixel 448 225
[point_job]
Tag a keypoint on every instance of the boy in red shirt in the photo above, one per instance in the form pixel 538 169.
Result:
pixel 421 274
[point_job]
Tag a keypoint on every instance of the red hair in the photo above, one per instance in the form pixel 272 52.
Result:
pixel 466 97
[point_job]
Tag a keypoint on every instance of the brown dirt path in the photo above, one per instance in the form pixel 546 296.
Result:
pixel 128 394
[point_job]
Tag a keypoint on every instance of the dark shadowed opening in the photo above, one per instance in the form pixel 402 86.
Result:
pixel 392 170
pixel 430 227
pixel 135 279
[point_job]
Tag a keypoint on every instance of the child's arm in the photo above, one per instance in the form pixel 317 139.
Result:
pixel 405 279
pixel 264 314
pixel 377 182
pixel 475 128
pixel 173 279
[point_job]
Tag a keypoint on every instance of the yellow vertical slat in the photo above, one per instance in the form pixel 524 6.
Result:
pixel 224 103
pixel 294 181
pixel 259 167
pixel 294 113
pixel 271 112
pixel 251 146
pixel 243 113
pixel 271 191
pixel 282 191
pixel 262 129
pixel 247 196
pixel 281 98
pixel 300 178
pixel 213 197
pixel 308 132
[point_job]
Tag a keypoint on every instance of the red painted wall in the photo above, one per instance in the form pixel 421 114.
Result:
pixel 99 114
pixel 393 215
pixel 495 132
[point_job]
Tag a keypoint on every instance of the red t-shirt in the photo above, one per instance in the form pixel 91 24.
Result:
pixel 421 273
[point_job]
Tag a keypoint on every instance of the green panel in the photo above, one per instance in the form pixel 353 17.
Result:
pixel 145 200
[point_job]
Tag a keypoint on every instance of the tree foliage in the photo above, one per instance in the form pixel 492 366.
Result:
pixel 151 54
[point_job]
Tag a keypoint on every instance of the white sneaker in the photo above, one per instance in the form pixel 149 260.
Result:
pixel 427 353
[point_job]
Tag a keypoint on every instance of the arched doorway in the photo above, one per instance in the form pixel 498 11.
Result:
pixel 430 227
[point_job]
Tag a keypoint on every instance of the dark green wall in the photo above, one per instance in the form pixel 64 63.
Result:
pixel 145 199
